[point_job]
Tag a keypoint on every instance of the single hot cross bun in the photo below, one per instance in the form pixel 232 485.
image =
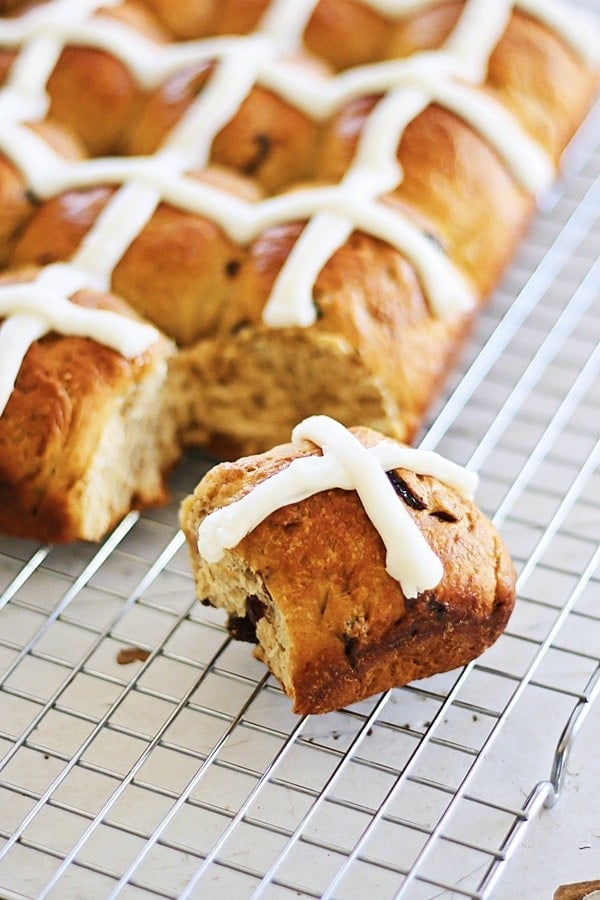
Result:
pixel 305 572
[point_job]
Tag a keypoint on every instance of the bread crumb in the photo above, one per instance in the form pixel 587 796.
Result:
pixel 132 654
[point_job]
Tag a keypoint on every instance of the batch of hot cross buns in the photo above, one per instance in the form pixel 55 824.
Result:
pixel 227 224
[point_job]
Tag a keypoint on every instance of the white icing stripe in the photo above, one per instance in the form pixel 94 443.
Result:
pixel 392 455
pixel 320 97
pixel 30 71
pixel 345 464
pixel 33 311
pixel 44 171
pixel 286 20
pixel 14 106
pixel 238 218
pixel 291 302
pixel 62 278
pixel 119 223
pixel 127 336
pixel 488 20
pixel 409 558
pixel 447 290
pixel 528 162
pixel 217 104
pixel 396 8
pixel 375 168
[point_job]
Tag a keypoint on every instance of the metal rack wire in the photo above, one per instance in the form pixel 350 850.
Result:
pixel 184 774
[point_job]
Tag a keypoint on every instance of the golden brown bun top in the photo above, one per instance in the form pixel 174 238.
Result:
pixel 347 627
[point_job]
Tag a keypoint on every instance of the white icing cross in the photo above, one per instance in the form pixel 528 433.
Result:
pixel 348 465
pixel 33 309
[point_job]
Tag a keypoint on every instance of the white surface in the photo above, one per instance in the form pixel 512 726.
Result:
pixel 562 845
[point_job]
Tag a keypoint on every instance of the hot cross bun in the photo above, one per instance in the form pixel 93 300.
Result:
pixel 349 581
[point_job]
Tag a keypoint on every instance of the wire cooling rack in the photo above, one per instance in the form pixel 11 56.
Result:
pixel 144 754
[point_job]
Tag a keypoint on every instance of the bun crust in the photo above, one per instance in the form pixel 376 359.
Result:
pixel 85 436
pixel 332 625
